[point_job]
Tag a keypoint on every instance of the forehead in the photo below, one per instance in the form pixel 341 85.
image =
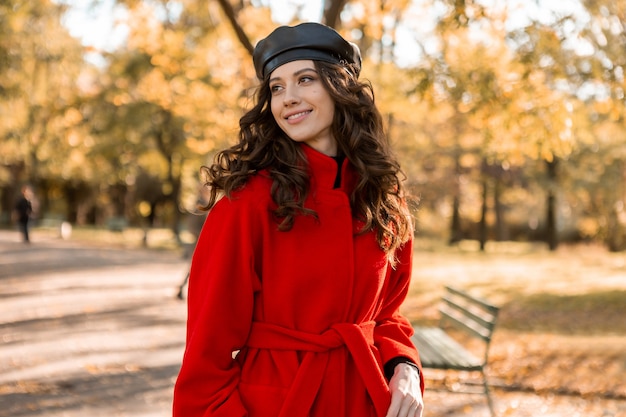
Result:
pixel 291 68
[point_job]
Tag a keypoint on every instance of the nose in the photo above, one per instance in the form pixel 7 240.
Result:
pixel 291 96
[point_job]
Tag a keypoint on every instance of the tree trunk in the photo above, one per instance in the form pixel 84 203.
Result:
pixel 455 225
pixel 482 233
pixel 616 232
pixel 500 224
pixel 332 12
pixel 456 234
pixel 551 226
pixel 231 15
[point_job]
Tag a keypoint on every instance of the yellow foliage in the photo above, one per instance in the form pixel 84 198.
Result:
pixel 121 99
pixel 72 117
pixel 200 146
pixel 155 88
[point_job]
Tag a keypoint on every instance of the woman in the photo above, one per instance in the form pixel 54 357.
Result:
pixel 299 271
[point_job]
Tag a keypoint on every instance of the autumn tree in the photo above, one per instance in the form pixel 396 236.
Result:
pixel 504 131
pixel 166 100
pixel 39 68
pixel 601 67
pixel 511 94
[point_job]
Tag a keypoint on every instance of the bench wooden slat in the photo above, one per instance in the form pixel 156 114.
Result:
pixel 439 351
pixel 463 323
pixel 474 300
pixel 483 318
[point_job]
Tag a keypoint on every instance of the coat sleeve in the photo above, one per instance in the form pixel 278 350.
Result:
pixel 222 283
pixel 393 331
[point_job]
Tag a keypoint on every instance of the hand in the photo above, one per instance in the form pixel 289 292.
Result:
pixel 406 394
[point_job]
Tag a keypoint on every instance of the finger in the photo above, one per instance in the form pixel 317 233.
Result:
pixel 394 407
pixel 420 409
pixel 407 407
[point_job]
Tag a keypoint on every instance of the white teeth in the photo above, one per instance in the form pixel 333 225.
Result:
pixel 294 116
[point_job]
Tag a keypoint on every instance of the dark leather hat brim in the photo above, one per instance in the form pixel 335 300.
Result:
pixel 296 55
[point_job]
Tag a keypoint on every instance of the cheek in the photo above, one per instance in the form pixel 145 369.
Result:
pixel 276 110
pixel 330 111
pixel 328 103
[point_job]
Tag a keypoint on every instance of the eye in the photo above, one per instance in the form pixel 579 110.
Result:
pixel 276 88
pixel 306 79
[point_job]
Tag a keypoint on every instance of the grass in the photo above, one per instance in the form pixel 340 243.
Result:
pixel 594 313
pixel 562 325
pixel 130 237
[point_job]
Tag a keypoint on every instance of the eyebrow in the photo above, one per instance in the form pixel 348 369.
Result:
pixel 295 74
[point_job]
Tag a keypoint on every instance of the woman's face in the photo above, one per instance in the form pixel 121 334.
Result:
pixel 301 105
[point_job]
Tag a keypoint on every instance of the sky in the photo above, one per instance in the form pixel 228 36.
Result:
pixel 95 26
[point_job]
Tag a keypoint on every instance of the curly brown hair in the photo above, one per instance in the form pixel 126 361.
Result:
pixel 378 198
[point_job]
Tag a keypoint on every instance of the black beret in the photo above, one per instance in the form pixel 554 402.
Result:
pixel 305 41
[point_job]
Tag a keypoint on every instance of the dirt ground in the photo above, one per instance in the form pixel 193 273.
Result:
pixel 89 330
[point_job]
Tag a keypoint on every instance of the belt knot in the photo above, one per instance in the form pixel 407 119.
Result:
pixel 358 340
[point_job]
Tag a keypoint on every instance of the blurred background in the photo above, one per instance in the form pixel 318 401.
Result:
pixel 508 116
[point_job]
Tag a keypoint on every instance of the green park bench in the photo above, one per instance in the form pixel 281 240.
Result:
pixel 116 224
pixel 439 350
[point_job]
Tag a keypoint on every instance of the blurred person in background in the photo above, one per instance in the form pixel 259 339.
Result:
pixel 23 211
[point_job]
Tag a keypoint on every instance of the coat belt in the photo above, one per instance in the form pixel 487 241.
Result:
pixel 357 338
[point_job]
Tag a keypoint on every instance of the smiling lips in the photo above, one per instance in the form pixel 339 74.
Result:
pixel 298 116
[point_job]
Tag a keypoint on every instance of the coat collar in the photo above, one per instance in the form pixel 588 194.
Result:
pixel 323 170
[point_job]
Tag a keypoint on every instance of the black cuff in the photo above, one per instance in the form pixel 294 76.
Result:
pixel 391 365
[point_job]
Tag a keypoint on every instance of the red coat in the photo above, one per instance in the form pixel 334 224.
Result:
pixel 313 311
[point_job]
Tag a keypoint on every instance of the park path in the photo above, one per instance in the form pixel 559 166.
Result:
pixel 93 331
pixel 88 331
